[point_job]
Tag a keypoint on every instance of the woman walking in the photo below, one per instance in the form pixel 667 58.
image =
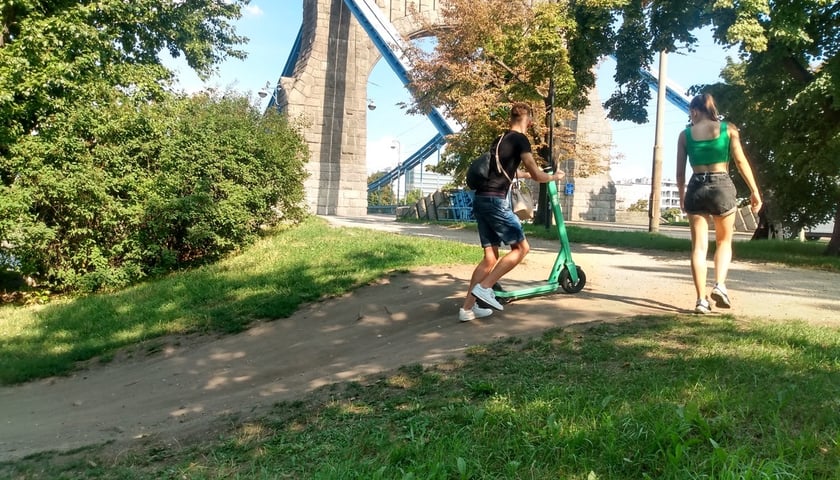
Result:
pixel 708 144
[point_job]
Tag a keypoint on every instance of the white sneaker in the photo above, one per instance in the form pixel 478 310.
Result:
pixel 720 297
pixel 473 313
pixel 487 295
pixel 702 306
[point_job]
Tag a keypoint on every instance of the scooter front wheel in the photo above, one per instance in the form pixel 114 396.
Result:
pixel 566 280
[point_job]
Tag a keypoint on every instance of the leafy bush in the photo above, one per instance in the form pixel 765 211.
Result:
pixel 640 205
pixel 107 193
pixel 672 215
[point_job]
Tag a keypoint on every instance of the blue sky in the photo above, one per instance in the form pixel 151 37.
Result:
pixel 272 25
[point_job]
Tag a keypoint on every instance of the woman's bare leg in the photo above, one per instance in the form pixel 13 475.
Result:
pixel 699 248
pixel 724 228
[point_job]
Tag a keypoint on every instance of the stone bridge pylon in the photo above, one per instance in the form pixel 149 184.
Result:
pixel 328 90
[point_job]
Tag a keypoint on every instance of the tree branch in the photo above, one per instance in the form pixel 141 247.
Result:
pixel 516 77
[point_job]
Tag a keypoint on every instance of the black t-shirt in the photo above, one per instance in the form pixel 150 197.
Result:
pixel 514 144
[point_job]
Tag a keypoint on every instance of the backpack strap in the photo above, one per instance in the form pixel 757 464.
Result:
pixel 499 163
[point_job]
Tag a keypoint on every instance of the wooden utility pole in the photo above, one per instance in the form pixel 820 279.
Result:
pixel 656 176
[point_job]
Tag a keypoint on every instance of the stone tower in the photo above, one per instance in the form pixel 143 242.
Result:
pixel 328 91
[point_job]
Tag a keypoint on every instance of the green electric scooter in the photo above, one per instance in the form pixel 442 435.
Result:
pixel 564 274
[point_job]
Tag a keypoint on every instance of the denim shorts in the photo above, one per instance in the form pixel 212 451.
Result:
pixel 710 194
pixel 497 223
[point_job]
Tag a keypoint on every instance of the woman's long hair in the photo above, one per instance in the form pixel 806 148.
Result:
pixel 705 104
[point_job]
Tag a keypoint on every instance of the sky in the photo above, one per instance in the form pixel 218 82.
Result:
pixel 271 27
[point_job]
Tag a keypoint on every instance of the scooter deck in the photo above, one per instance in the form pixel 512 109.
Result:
pixel 513 289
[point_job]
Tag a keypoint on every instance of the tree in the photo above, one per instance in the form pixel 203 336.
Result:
pixel 492 52
pixel 783 92
pixel 105 175
pixel 640 205
pixel 413 196
pixel 107 194
pixel 58 53
pixel 382 196
pixel 785 96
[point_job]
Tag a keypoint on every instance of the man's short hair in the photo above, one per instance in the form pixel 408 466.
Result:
pixel 518 110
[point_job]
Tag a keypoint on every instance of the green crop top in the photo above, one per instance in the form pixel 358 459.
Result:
pixel 707 152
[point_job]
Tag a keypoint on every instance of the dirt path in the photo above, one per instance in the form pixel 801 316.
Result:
pixel 194 386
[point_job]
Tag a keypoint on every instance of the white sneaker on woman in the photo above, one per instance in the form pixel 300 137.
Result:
pixel 720 297
pixel 702 306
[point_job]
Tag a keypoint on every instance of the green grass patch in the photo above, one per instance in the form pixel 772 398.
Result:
pixel 269 280
pixel 649 398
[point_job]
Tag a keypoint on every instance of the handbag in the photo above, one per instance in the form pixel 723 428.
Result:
pixel 521 202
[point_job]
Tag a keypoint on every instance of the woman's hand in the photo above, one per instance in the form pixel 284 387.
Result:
pixel 755 202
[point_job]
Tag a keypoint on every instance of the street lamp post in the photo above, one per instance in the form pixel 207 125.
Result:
pixel 273 90
pixel 398 146
pixel 656 177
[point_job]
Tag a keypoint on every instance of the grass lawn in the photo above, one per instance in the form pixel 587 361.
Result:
pixel 674 397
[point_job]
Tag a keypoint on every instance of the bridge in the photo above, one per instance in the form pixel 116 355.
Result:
pixel 335 98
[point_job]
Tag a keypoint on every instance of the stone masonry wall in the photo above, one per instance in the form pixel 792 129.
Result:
pixel 594 195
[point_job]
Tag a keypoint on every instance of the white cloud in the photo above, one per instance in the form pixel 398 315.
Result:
pixel 252 11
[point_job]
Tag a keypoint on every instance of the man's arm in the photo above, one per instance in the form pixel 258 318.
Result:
pixel 536 172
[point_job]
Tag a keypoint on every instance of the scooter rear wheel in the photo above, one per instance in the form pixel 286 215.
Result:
pixel 566 280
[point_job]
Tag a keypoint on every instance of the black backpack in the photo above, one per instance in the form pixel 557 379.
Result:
pixel 480 169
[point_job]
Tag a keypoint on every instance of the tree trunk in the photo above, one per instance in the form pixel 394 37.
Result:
pixel 834 244
pixel 543 214
pixel 8 19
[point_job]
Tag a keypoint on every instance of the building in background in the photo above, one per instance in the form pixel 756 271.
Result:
pixel 630 191
pixel 428 182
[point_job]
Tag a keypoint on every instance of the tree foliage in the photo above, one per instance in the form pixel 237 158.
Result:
pixel 492 52
pixel 383 195
pixel 785 95
pixel 783 91
pixel 54 54
pixel 640 205
pixel 105 175
pixel 107 194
